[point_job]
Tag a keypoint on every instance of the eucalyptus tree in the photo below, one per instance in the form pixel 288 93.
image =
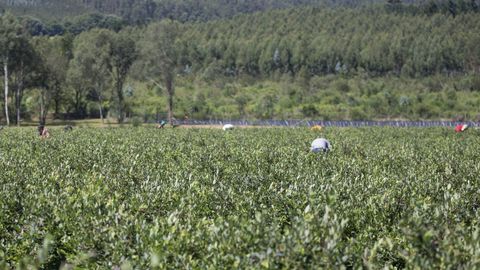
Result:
pixel 76 90
pixel 55 60
pixel 90 67
pixel 161 58
pixel 10 33
pixel 23 71
pixel 122 55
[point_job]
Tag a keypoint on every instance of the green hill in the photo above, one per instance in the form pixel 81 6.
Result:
pixel 379 62
pixel 46 9
pixel 141 11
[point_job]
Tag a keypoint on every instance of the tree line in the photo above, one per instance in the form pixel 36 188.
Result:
pixel 314 41
pixel 68 74
pixel 145 11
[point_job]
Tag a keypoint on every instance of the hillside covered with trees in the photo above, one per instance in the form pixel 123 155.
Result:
pixel 332 60
pixel 141 11
pixel 144 11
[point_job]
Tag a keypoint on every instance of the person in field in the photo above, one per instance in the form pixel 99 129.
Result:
pixel 320 145
pixel 161 124
pixel 460 128
pixel 228 127
pixel 43 131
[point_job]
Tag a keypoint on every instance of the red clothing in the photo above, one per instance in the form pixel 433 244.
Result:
pixel 460 128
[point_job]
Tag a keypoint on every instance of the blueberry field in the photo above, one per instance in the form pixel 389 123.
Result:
pixel 142 198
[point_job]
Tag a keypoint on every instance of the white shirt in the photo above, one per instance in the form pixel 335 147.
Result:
pixel 228 127
pixel 320 144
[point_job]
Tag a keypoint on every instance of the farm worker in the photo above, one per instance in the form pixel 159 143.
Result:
pixel 320 145
pixel 162 124
pixel 228 127
pixel 461 128
pixel 43 131
pixel 316 128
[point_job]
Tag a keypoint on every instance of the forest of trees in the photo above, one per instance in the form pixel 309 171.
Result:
pixel 146 11
pixel 321 60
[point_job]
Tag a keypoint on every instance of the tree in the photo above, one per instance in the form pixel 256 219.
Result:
pixel 55 60
pixel 23 71
pixel 90 67
pixel 76 92
pixel 10 32
pixel 161 58
pixel 394 5
pixel 452 8
pixel 473 5
pixel 123 54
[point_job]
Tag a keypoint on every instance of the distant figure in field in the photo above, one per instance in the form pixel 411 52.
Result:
pixel 320 145
pixel 68 128
pixel 460 128
pixel 161 124
pixel 43 131
pixel 316 128
pixel 228 127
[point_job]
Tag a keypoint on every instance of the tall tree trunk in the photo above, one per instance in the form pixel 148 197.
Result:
pixel 100 109
pixel 77 103
pixel 18 94
pixel 170 92
pixel 119 86
pixel 42 110
pixel 17 105
pixel 57 100
pixel 98 92
pixel 5 70
pixel 57 109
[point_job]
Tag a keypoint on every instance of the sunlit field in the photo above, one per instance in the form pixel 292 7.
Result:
pixel 142 198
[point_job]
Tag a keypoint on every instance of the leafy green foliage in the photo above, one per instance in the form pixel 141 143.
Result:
pixel 90 69
pixel 330 97
pixel 145 11
pixel 375 62
pixel 253 198
pixel 310 41
pixel 161 55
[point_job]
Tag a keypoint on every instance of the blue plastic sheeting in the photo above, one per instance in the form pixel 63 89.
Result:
pixel 299 123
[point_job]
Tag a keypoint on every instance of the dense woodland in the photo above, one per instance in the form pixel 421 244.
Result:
pixel 143 11
pixel 241 59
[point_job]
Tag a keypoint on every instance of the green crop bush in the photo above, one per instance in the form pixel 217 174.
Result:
pixel 137 121
pixel 250 199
